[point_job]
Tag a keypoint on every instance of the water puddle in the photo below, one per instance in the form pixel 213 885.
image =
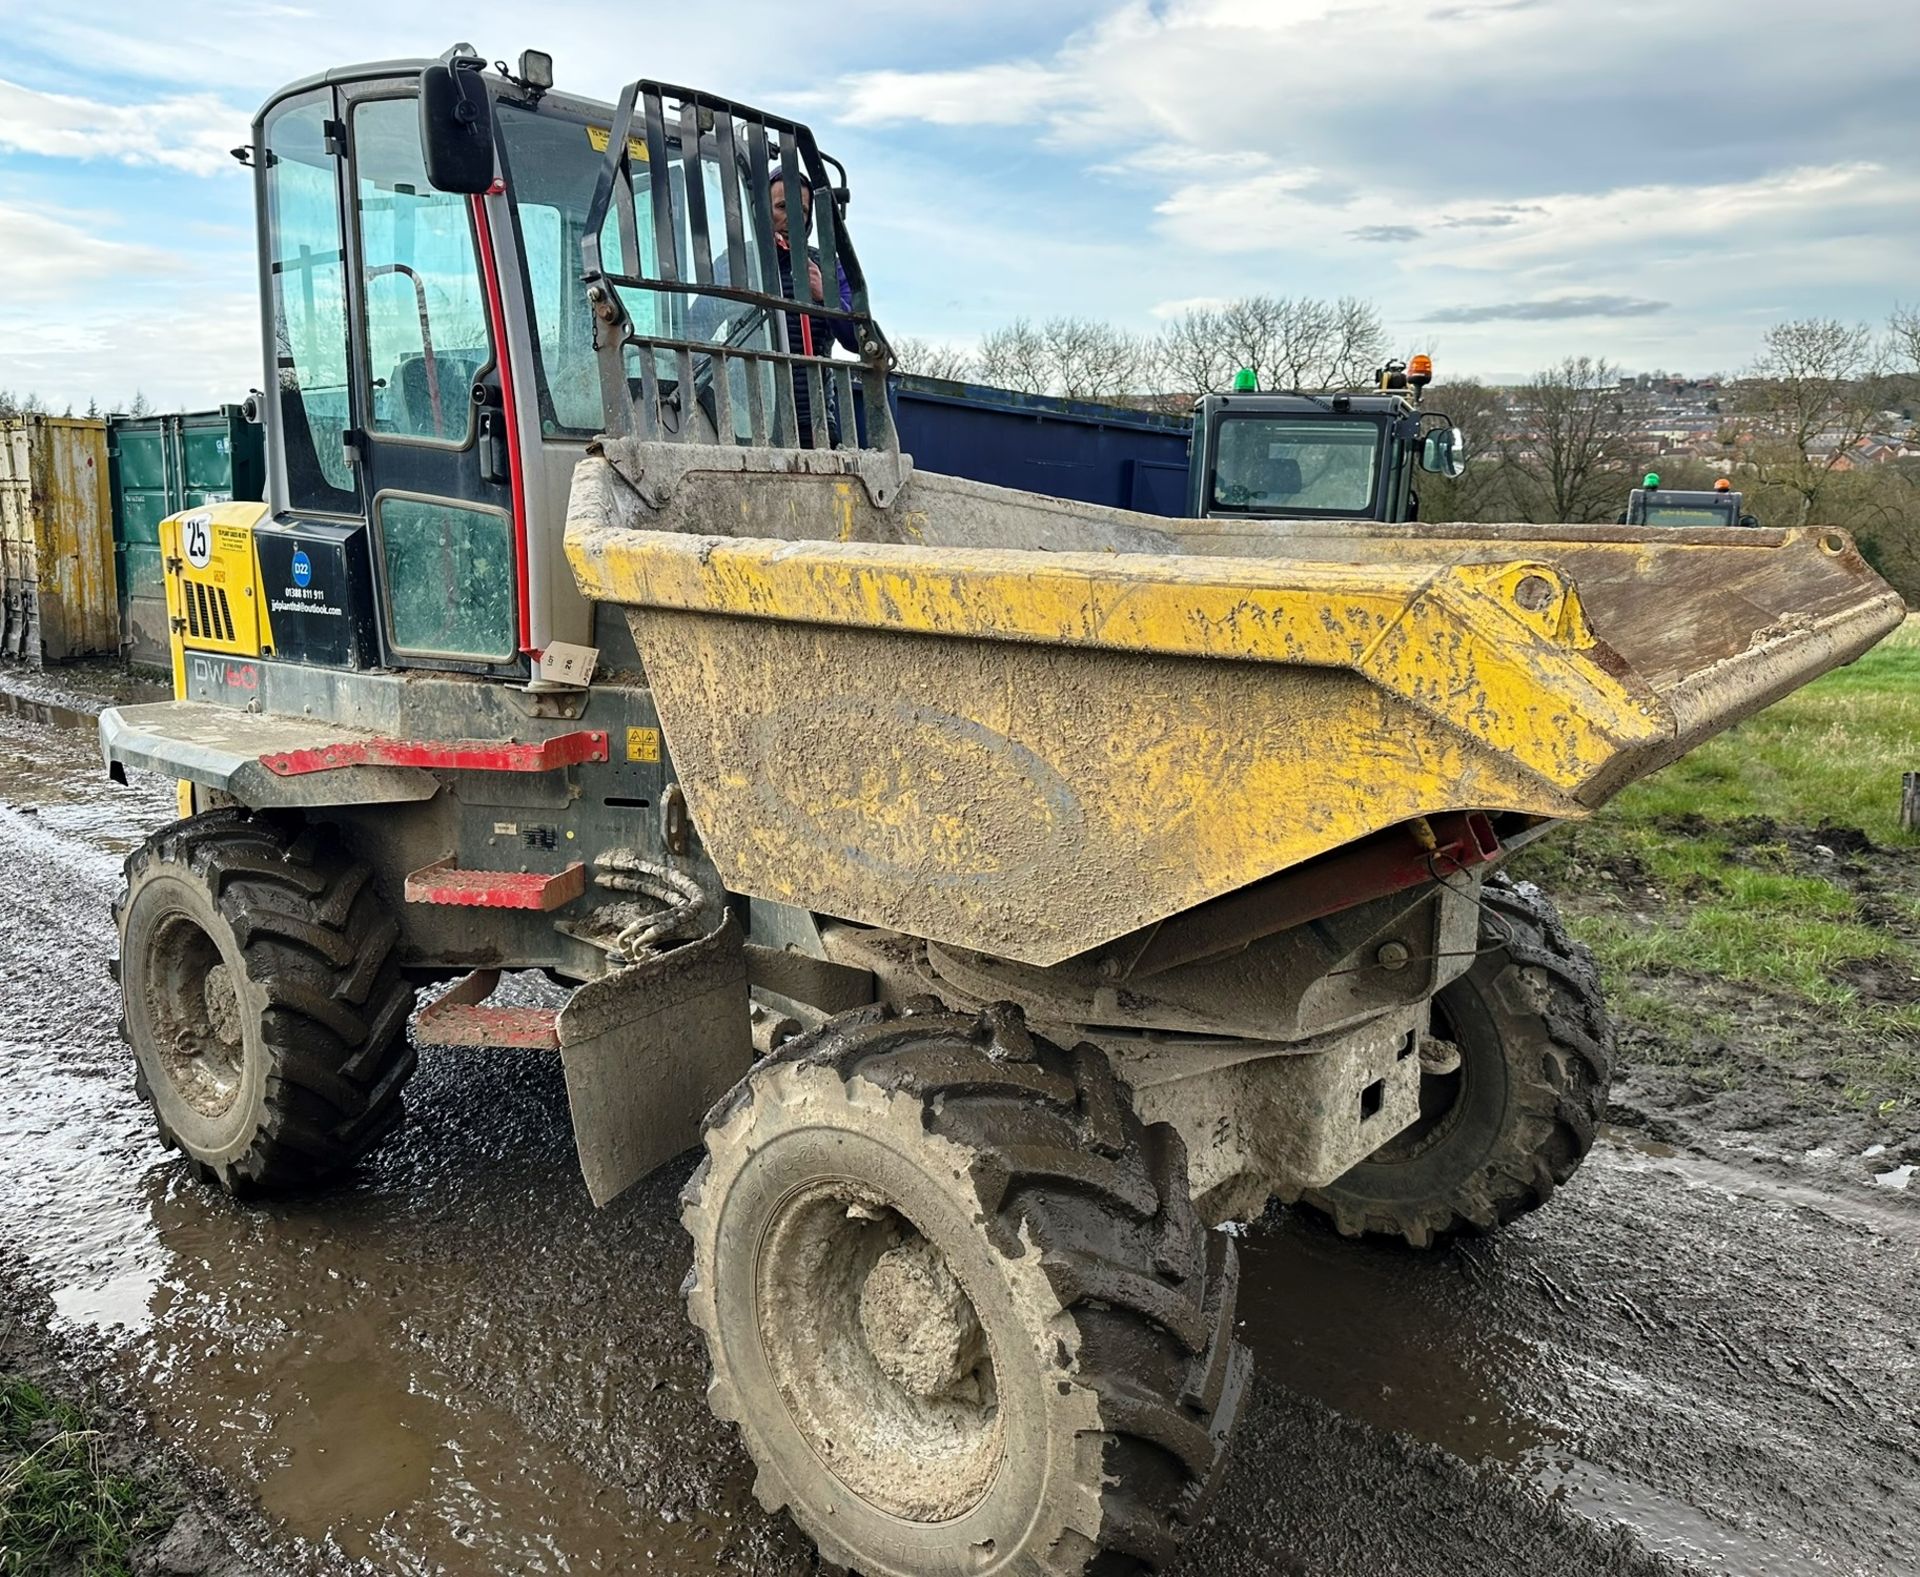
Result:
pixel 48 714
pixel 400 1370
pixel 1390 1336
pixel 1891 1218
pixel 1669 1526
pixel 452 1363
pixel 52 780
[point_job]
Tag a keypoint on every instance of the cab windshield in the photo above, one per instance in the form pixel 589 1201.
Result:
pixel 553 163
pixel 1296 465
pixel 1689 515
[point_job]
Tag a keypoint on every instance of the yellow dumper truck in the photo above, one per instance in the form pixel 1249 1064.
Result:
pixel 1004 892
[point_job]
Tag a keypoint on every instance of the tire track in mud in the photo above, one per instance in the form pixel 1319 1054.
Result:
pixel 456 1363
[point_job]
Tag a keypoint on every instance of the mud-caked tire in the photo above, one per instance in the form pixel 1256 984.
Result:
pixel 1498 1135
pixel 262 997
pixel 959 1304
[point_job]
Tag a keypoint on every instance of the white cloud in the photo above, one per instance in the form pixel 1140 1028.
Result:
pixel 1603 229
pixel 190 132
pixel 187 350
pixel 1491 151
pixel 1164 310
pixel 1003 95
pixel 48 253
pixel 1741 159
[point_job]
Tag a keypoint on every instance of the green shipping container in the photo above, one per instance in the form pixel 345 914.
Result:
pixel 159 465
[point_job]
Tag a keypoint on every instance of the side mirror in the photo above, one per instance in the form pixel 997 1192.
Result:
pixel 456 127
pixel 1444 452
pixel 1749 520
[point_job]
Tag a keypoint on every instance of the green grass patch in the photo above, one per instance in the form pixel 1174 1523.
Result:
pixel 1830 754
pixel 1679 885
pixel 61 1509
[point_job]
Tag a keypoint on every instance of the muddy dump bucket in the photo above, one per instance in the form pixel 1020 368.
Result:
pixel 1027 727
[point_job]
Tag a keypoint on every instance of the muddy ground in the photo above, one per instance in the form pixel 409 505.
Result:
pixel 1740 1071
pixel 1701 1359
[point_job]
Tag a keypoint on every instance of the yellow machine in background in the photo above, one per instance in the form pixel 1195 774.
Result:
pixel 214 598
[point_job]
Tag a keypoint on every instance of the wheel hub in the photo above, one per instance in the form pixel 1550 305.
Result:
pixel 878 1353
pixel 919 1325
pixel 223 1006
pixel 193 1004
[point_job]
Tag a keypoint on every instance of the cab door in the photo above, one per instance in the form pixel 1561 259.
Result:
pixel 429 443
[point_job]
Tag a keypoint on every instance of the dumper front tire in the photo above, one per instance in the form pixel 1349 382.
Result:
pixel 262 997
pixel 959 1304
pixel 1500 1134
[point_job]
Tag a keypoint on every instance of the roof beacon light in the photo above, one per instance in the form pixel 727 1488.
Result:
pixel 1723 486
pixel 1420 371
pixel 1246 381
pixel 1653 479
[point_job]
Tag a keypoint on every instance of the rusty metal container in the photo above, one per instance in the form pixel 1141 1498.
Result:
pixel 57 593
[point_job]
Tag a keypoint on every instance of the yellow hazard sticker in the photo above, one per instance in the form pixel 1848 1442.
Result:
pixel 643 744
pixel 600 136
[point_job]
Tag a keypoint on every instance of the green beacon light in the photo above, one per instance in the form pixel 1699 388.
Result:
pixel 1653 479
pixel 1246 381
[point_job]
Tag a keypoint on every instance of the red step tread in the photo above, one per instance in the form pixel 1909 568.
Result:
pixel 445 883
pixel 477 1024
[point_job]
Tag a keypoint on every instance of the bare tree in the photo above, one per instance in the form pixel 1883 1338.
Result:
pixel 1194 354
pixel 1811 398
pixel 1903 344
pixel 1094 360
pixel 927 360
pixel 24 404
pixel 1358 343
pixel 1572 453
pixel 1287 342
pixel 1903 329
pixel 1015 357
pixel 1480 492
pixel 139 405
pixel 1080 358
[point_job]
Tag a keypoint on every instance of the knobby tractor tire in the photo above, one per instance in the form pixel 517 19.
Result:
pixel 263 1000
pixel 959 1304
pixel 1497 1137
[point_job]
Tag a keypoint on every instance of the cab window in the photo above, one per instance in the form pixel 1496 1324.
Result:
pixel 553 163
pixel 426 311
pixel 307 270
pixel 1306 465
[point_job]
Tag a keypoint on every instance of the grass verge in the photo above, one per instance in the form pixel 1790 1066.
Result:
pixel 1758 900
pixel 63 1509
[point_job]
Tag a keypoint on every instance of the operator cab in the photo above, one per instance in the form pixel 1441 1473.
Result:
pixel 1308 456
pixel 437 368
pixel 1653 505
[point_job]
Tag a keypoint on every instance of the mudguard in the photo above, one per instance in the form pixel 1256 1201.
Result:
pixel 648 1050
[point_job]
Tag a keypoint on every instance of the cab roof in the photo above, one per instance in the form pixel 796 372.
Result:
pixel 1371 402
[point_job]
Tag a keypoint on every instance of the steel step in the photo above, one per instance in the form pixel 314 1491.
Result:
pixel 443 882
pixel 461 1016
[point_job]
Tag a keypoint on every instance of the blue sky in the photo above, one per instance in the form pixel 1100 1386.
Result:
pixel 1509 180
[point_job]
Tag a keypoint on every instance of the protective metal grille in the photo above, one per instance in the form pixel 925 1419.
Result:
pixel 209 617
pixel 697 314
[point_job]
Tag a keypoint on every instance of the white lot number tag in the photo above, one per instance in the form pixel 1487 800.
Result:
pixel 196 531
pixel 563 663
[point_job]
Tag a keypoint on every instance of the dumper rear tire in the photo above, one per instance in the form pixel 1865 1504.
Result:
pixel 262 997
pixel 1500 1135
pixel 959 1304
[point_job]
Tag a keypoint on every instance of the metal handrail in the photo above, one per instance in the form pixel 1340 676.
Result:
pixel 684 129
